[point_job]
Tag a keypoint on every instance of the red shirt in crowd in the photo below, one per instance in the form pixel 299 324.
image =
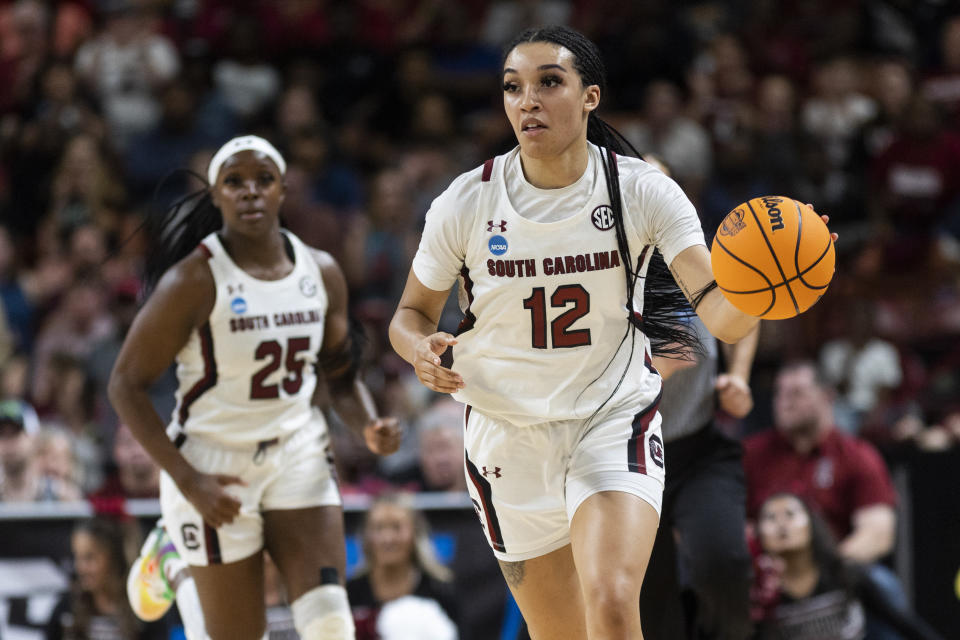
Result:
pixel 839 476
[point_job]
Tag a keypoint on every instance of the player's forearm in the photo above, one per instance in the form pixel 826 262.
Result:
pixel 723 320
pixel 354 403
pixel 739 356
pixel 134 408
pixel 407 329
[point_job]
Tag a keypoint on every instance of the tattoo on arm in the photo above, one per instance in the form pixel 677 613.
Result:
pixel 681 284
pixel 513 572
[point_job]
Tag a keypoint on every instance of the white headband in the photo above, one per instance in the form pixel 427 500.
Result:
pixel 244 143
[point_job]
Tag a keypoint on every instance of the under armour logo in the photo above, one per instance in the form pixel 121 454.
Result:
pixel 502 225
pixel 496 470
pixel 231 288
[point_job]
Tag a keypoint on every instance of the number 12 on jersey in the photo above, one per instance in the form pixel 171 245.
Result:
pixel 561 335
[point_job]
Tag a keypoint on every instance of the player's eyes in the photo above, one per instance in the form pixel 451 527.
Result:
pixel 551 81
pixel 510 87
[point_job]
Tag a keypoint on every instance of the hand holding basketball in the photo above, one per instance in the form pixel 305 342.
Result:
pixel 773 257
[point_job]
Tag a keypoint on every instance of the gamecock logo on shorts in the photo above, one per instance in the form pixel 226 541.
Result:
pixel 656 450
pixel 733 223
pixel 191 536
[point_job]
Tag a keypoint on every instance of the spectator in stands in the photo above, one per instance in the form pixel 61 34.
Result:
pixel 864 368
pixel 680 142
pixel 58 461
pixel 125 66
pixel 96 606
pixel 778 132
pixel 440 431
pixel 136 475
pixel 80 321
pixel 21 471
pixel 806 454
pixel 24 35
pixel 400 562
pixel 71 406
pixel 841 475
pixel 914 182
pixel 818 593
pixel 942 87
pixel 17 308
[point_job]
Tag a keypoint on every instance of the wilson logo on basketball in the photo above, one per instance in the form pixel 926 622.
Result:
pixel 602 217
pixel 773 210
pixel 733 223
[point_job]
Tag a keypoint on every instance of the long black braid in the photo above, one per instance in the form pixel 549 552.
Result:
pixel 664 304
pixel 177 231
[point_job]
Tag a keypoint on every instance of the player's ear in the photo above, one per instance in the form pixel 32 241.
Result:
pixel 591 97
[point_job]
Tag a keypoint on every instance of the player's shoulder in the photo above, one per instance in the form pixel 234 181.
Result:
pixel 463 193
pixel 640 176
pixel 191 270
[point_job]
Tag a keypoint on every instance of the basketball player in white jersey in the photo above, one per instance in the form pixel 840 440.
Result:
pixel 250 314
pixel 551 244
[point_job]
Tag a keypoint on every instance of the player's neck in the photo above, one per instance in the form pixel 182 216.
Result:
pixel 557 171
pixel 255 253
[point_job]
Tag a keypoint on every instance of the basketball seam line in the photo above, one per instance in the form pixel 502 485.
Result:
pixel 772 288
pixel 775 259
pixel 796 257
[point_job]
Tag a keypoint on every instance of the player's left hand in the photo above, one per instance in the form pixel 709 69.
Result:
pixel 383 436
pixel 734 395
pixel 826 220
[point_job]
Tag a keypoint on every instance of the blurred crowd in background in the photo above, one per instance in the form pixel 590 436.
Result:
pixel 378 104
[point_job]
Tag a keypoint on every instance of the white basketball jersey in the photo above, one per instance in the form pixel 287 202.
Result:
pixel 248 374
pixel 545 304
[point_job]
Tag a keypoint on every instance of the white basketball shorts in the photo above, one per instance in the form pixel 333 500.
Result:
pixel 292 473
pixel 526 483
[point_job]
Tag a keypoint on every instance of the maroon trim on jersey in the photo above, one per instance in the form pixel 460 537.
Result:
pixel 636 445
pixel 489 514
pixel 212 544
pixel 466 416
pixel 468 318
pixel 487 170
pixel 205 251
pixel 209 379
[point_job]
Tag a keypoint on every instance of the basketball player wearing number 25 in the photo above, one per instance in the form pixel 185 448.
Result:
pixel 553 356
pixel 251 315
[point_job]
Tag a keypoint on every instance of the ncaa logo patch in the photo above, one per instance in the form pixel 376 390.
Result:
pixel 498 245
pixel 238 305
pixel 602 217
pixel 656 450
pixel 308 287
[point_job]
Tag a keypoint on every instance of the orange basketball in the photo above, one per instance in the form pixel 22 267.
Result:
pixel 773 257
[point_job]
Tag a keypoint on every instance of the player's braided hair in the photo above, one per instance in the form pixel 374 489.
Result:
pixel 177 231
pixel 664 303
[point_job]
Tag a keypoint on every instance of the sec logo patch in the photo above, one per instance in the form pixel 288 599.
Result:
pixel 498 245
pixel 602 217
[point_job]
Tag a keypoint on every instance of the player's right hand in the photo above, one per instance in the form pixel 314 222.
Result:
pixel 206 492
pixel 426 364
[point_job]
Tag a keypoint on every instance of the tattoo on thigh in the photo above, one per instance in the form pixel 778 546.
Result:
pixel 513 572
